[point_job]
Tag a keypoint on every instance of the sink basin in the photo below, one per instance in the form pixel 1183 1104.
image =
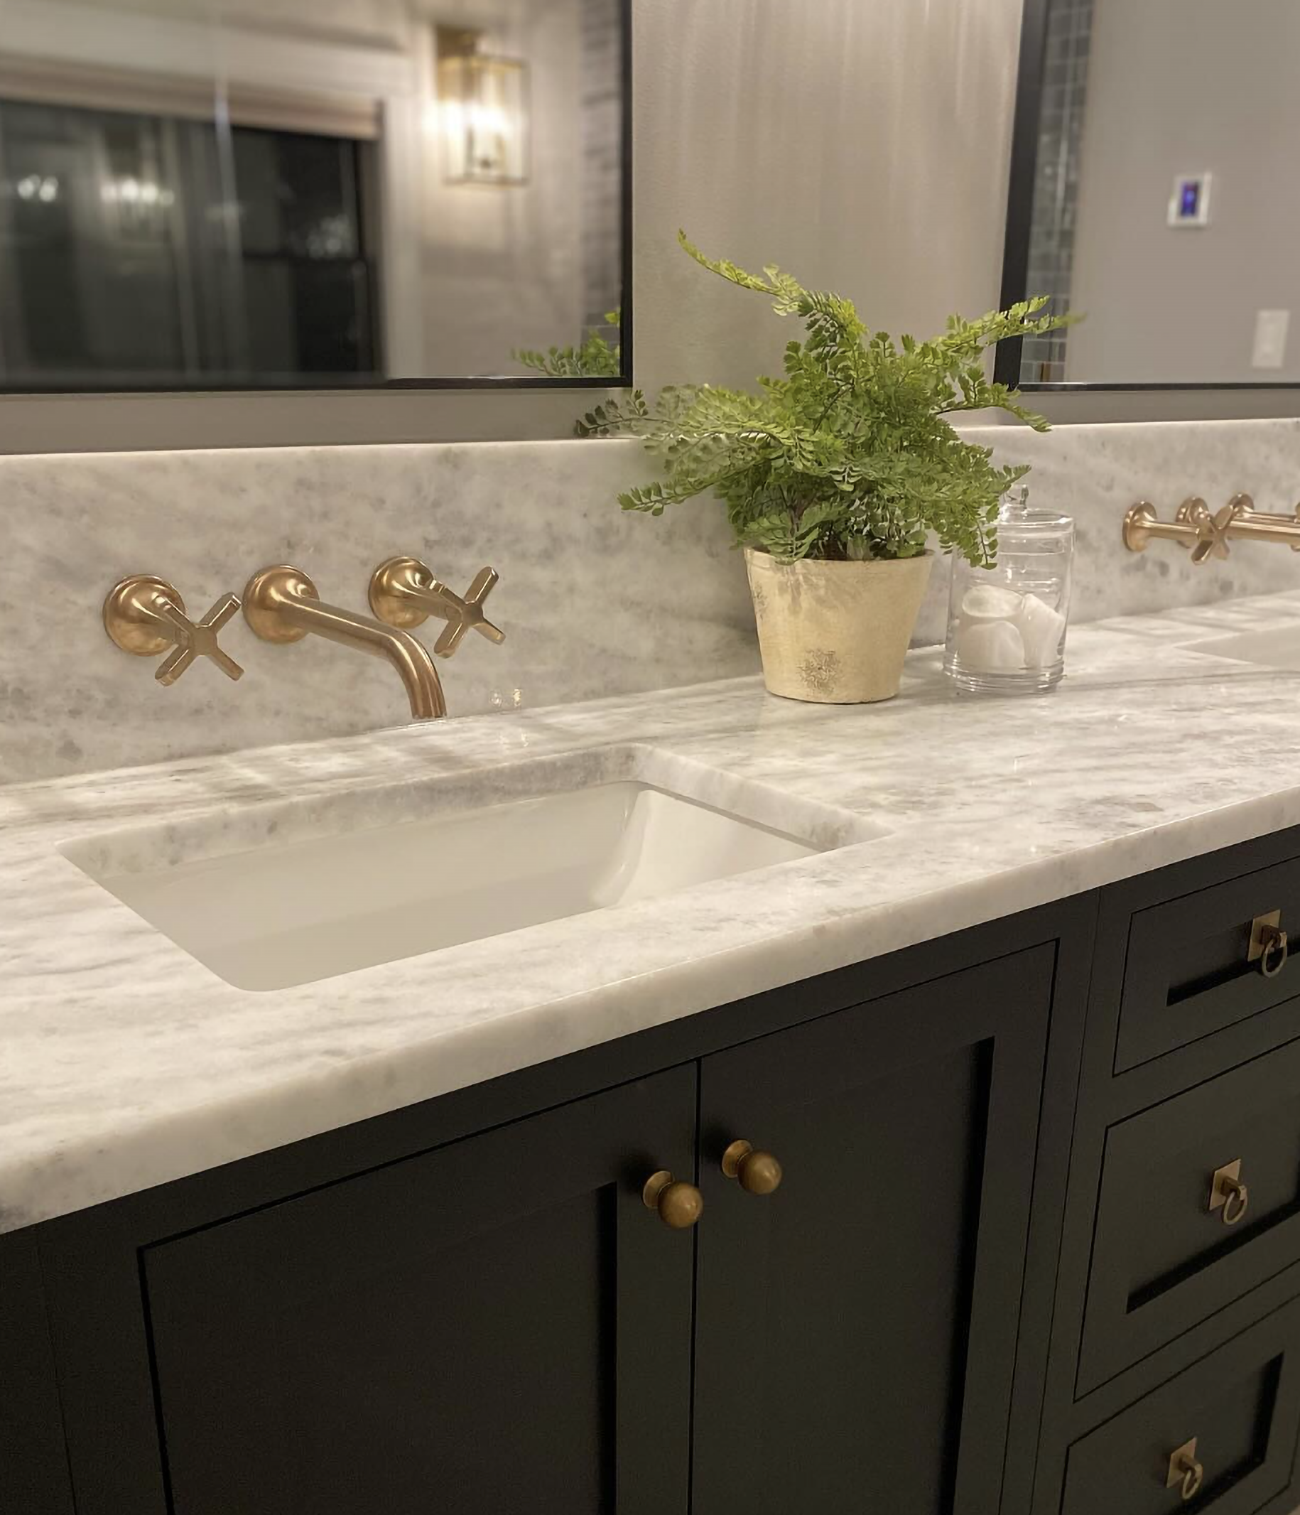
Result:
pixel 1268 649
pixel 276 896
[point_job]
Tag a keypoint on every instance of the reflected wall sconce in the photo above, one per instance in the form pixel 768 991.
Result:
pixel 484 110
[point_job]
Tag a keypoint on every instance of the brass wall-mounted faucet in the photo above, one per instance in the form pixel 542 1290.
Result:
pixel 144 615
pixel 281 605
pixel 1208 533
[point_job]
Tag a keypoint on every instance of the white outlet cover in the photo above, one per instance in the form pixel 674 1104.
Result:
pixel 1272 328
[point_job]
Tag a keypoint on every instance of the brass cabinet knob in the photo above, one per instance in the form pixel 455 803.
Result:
pixel 404 592
pixel 1268 944
pixel 1228 1194
pixel 680 1205
pixel 144 615
pixel 1185 1472
pixel 755 1172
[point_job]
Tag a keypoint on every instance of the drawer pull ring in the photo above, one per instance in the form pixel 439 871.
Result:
pixel 755 1172
pixel 1185 1470
pixel 1229 1194
pixel 1268 944
pixel 679 1205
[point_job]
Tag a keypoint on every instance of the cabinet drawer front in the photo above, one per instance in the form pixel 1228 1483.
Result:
pixel 1189 970
pixel 1241 1407
pixel 1200 1202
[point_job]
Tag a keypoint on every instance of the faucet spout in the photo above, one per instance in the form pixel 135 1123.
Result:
pixel 281 605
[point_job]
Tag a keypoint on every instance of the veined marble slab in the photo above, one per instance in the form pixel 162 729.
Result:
pixel 596 603
pixel 125 1063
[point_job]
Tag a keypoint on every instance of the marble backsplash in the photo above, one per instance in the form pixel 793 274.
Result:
pixel 595 603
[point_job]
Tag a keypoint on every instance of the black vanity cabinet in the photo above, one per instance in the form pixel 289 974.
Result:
pixel 468 1306
pixel 1035 1250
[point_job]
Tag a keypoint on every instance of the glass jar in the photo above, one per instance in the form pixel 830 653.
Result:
pixel 1006 624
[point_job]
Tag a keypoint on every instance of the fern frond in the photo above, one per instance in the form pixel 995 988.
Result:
pixel 849 454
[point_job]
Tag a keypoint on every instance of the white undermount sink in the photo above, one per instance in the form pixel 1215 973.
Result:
pixel 274 896
pixel 1268 649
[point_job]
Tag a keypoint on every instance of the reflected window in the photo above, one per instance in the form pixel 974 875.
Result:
pixel 311 193
pixel 141 250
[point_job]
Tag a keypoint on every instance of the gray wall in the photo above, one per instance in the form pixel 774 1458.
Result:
pixel 1176 87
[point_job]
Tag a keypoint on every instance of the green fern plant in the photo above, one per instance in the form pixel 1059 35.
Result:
pixel 595 358
pixel 850 455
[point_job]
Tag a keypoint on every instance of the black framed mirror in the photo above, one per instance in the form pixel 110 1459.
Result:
pixel 236 195
pixel 1150 192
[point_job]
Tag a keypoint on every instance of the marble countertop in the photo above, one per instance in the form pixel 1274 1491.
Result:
pixel 125 1063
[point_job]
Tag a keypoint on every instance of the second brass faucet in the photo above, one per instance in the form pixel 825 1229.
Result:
pixel 1206 532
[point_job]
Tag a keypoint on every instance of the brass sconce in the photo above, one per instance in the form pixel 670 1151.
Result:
pixel 484 111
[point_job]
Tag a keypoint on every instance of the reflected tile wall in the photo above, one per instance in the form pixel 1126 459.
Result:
pixel 1056 186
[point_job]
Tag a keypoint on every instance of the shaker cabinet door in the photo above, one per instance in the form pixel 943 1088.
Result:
pixel 496 1326
pixel 856 1327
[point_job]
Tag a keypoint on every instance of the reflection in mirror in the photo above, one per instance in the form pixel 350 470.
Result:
pixel 208 194
pixel 1150 192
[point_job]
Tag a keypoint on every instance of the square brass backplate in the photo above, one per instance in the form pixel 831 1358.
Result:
pixel 1180 1461
pixel 1224 1184
pixel 1263 932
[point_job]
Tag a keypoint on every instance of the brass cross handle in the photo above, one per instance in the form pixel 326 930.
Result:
pixel 1211 530
pixel 144 615
pixel 1186 1471
pixel 404 592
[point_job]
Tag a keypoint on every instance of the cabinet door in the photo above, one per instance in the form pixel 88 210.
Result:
pixel 499 1325
pixel 856 1329
pixel 33 1463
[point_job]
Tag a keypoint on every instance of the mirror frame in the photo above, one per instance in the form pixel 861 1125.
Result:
pixel 350 385
pixel 1020 206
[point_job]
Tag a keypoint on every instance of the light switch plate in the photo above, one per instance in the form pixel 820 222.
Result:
pixel 1272 328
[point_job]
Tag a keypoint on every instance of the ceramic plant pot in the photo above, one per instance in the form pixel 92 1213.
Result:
pixel 835 633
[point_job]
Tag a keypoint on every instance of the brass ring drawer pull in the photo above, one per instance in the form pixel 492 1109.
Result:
pixel 1268 944
pixel 755 1172
pixel 1184 1469
pixel 1228 1194
pixel 679 1205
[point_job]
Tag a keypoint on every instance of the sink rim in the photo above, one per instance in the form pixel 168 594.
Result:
pixel 132 867
pixel 1286 639
pixel 227 830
